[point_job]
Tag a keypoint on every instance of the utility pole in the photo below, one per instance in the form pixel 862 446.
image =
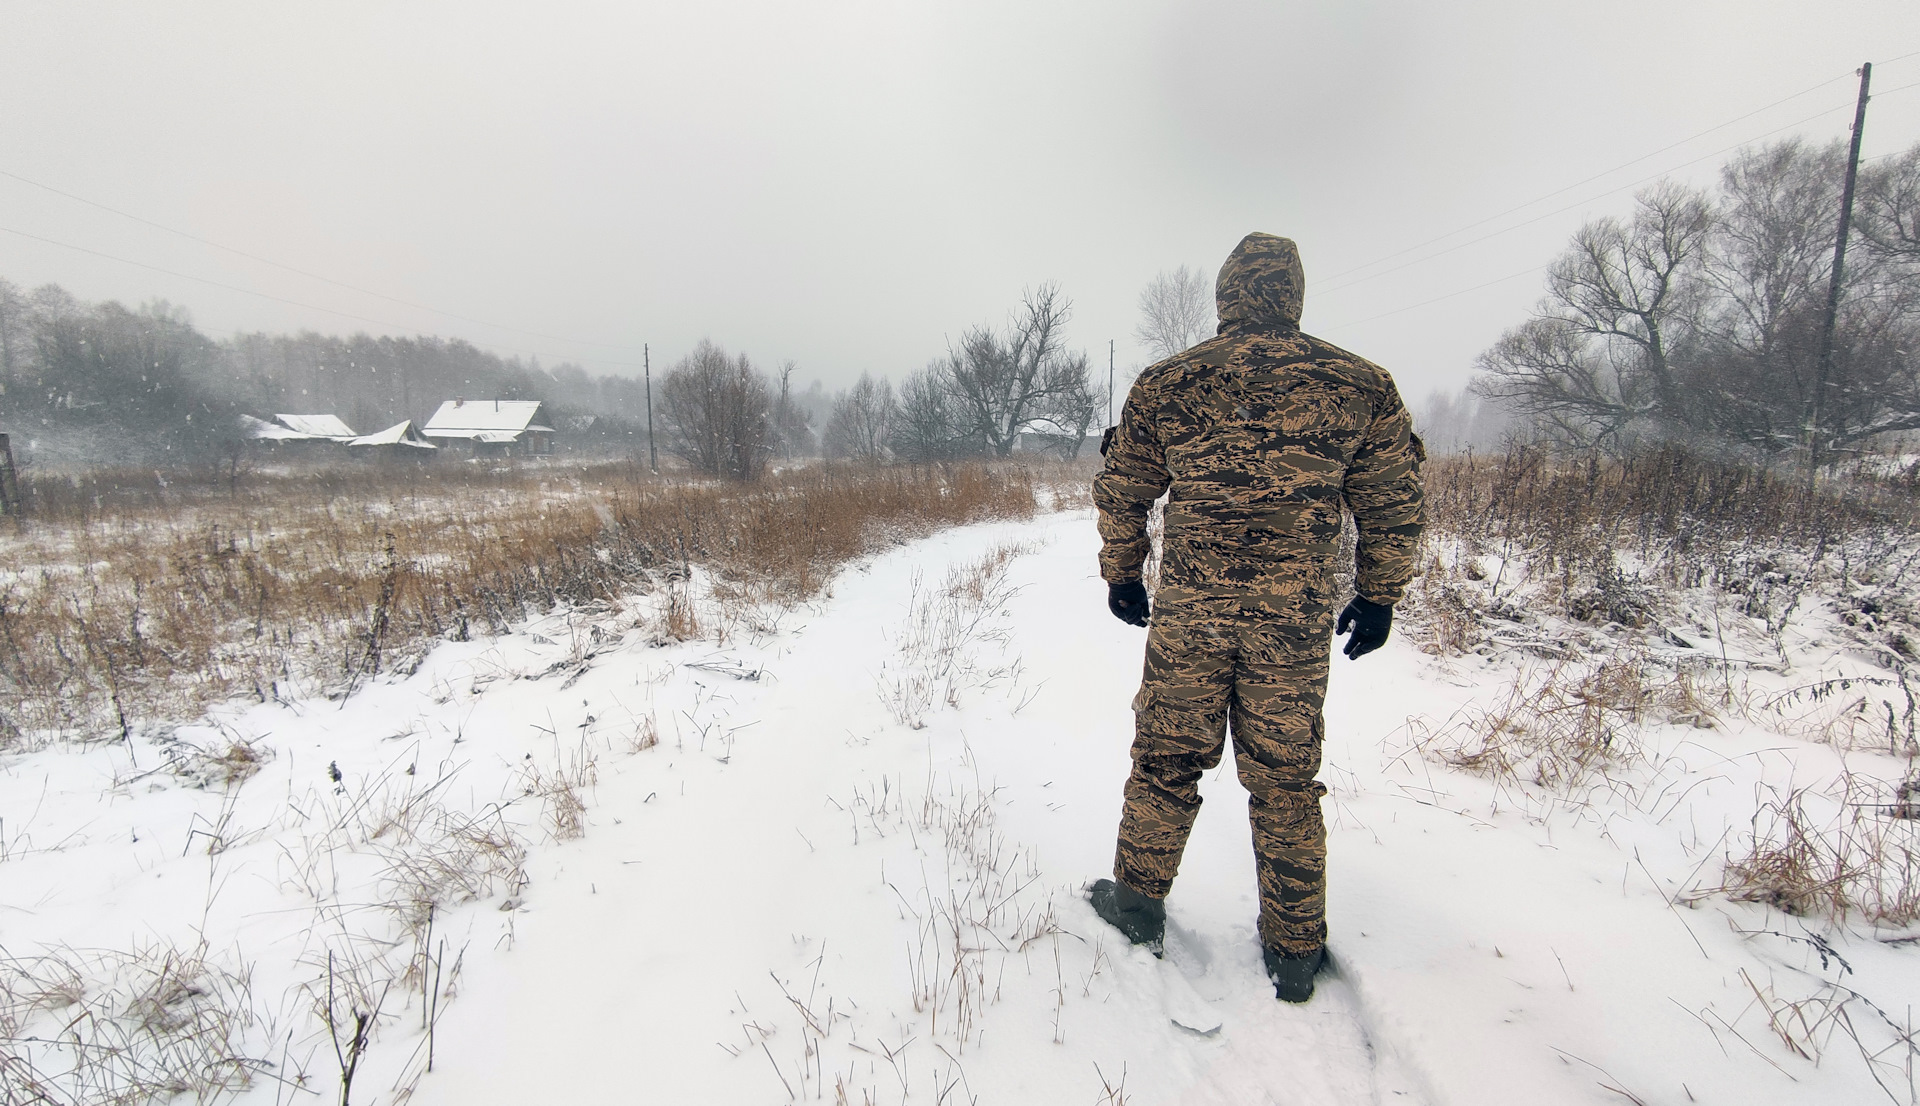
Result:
pixel 1814 427
pixel 653 455
pixel 1109 382
pixel 9 481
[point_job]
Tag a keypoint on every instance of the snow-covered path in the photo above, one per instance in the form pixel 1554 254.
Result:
pixel 649 944
pixel 1486 955
pixel 794 894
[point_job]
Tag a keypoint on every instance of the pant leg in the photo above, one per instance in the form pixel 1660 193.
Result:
pixel 1280 685
pixel 1180 725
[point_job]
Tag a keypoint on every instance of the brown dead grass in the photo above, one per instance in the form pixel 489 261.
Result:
pixel 1566 727
pixel 1680 520
pixel 136 597
pixel 1853 852
pixel 1663 504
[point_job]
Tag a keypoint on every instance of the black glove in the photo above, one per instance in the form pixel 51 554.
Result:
pixel 1370 623
pixel 1128 602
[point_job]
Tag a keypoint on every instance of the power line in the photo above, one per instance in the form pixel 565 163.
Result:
pixel 1890 91
pixel 1581 203
pixel 395 327
pixel 1550 214
pixel 1578 183
pixel 190 236
pixel 1450 295
pixel 1615 169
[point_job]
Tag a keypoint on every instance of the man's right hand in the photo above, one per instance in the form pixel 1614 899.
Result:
pixel 1128 602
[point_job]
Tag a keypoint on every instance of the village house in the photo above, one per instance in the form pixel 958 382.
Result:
pixel 507 426
pixel 401 441
pixel 302 432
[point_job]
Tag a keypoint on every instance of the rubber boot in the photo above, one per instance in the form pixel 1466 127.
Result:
pixel 1293 975
pixel 1141 917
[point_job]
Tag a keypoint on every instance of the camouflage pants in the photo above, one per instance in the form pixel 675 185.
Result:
pixel 1265 679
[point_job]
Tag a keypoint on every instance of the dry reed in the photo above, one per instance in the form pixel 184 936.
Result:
pixel 1855 851
pixel 1681 520
pixel 1564 728
pixel 132 598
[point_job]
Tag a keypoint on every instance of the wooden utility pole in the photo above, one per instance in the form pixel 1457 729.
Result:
pixel 653 455
pixel 9 480
pixel 1815 426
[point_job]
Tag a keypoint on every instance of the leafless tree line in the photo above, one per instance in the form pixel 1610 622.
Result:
pixel 1699 316
pixel 146 385
pixel 101 382
pixel 997 389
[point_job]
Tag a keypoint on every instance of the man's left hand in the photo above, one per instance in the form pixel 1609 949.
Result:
pixel 1370 622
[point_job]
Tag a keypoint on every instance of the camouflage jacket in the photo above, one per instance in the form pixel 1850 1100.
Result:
pixel 1260 435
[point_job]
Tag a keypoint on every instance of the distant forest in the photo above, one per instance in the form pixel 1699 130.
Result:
pixel 87 384
pixel 101 383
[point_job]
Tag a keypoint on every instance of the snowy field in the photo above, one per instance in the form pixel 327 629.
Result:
pixel 839 856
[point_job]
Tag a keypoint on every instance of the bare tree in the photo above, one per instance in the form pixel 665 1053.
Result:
pixel 1071 413
pixel 1770 267
pixel 925 425
pixel 13 332
pixel 1702 317
pixel 1887 212
pixel 792 433
pixel 1598 357
pixel 998 382
pixel 1176 312
pixel 717 413
pixel 1881 390
pixel 861 425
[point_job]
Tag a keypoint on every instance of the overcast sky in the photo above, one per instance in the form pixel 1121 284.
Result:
pixel 851 184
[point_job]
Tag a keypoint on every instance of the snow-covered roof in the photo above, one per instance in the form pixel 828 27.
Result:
pixel 400 433
pixel 260 430
pixel 473 417
pixel 317 426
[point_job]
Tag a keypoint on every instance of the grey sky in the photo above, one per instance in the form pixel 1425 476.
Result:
pixel 848 184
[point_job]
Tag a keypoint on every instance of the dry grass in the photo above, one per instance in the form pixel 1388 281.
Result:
pixel 977 910
pixel 1680 521
pixel 563 789
pixel 1854 851
pixel 1619 543
pixel 980 917
pixel 1846 712
pixel 936 657
pixel 1831 1014
pixel 123 1028
pixel 132 597
pixel 1567 727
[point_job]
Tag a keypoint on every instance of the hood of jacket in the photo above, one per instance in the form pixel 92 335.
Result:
pixel 1261 284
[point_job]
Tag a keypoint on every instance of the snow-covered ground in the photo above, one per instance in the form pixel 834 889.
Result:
pixel 839 857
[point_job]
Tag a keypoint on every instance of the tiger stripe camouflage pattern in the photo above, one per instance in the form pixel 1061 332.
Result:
pixel 1259 436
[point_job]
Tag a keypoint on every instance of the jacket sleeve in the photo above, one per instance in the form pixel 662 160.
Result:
pixel 1135 474
pixel 1383 491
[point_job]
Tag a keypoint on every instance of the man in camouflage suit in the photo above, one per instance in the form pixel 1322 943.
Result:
pixel 1260 435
